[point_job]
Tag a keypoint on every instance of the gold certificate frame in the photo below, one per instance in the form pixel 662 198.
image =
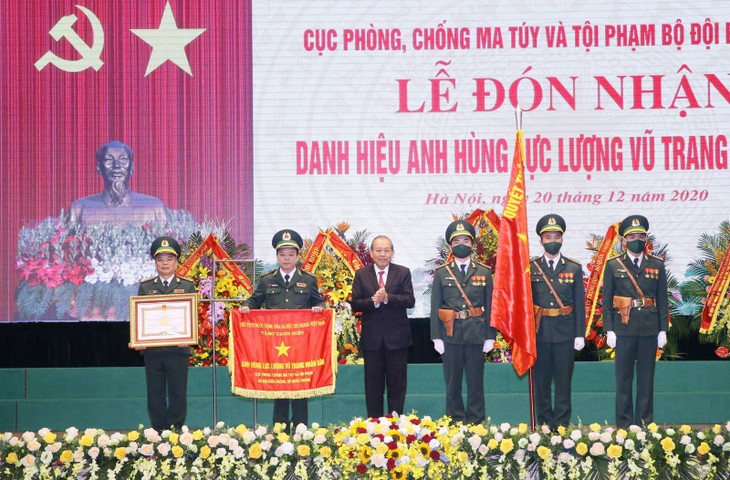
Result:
pixel 163 320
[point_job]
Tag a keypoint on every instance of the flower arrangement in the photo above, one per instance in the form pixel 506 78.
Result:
pixel 485 252
pixel 703 273
pixel 390 447
pixel 595 335
pixel 89 272
pixel 214 317
pixel 334 279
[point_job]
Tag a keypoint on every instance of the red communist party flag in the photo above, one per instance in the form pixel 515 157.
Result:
pixel 283 353
pixel 512 297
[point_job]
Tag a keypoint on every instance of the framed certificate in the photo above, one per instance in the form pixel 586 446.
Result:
pixel 163 320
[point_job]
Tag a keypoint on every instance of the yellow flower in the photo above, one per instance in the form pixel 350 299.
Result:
pixel 522 428
pixel 255 451
pixel 716 429
pixel 621 433
pixel 506 445
pixel 492 444
pixel 382 448
pixel 363 439
pixel 365 453
pixel 595 427
pixel 614 451
pixel 12 458
pixel 325 452
pixel 86 440
pixel 174 437
pixel 685 429
pixel 479 429
pixel 120 453
pixel 177 451
pixel 668 444
pixel 652 427
pixel 204 452
pixel 49 437
pixel 561 430
pixel 581 448
pixel 66 456
pixel 303 450
pixel 282 437
pixel 543 452
pixel 133 436
pixel 197 435
pixel 703 449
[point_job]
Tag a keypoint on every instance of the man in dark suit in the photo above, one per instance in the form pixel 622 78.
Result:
pixel 287 287
pixel 166 368
pixel 558 293
pixel 382 292
pixel 463 345
pixel 636 319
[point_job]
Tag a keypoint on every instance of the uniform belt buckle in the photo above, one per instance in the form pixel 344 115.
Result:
pixel 637 303
pixel 462 314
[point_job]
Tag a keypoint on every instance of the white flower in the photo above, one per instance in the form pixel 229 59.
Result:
pixel 147 450
pixel 28 436
pixel 28 460
pixel 301 428
pixel 260 431
pixel 555 440
pixel 498 436
pixel 483 449
pixel 641 436
pixel 7 436
pixel 597 449
pixel 629 444
pixel 78 455
pixel 535 437
pixel 605 437
pixel 319 439
pixel 475 441
pixel 594 436
pixel 186 439
pixel 726 447
pixel 92 432
pixel 103 440
pixel 374 441
pixel 287 448
pixel 545 430
pixel 434 444
pixel 719 440
pixel 689 448
pixel 701 435
pixel 213 441
pixel 522 442
pixel 132 448
pixel 565 457
pixel 519 455
pixel 34 445
pixel 239 453
pixel 568 443
pixel 378 459
pixel 685 440
pixel 71 433
pixel 46 458
pixel 164 448
pixel 670 431
pixel 504 427
pixel 93 452
pixel 635 429
pixel 576 435
pixel 151 435
pixel 43 432
pixel 220 452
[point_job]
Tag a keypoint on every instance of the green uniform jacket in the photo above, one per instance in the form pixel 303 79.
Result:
pixel 271 291
pixel 477 285
pixel 154 286
pixel 652 279
pixel 567 280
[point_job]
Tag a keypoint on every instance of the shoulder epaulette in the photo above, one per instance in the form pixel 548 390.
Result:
pixel 266 274
pixel 654 256
pixel 534 259
pixel 308 273
pixel 441 266
pixel 571 260
pixel 185 279
pixel 151 279
pixel 480 263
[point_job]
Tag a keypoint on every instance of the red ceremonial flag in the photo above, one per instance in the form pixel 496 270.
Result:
pixel 283 353
pixel 512 298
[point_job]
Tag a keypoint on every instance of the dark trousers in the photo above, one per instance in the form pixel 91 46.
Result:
pixel 554 364
pixel 639 353
pixel 166 370
pixel 460 360
pixel 299 411
pixel 384 367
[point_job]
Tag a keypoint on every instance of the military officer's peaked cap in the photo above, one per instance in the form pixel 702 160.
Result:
pixel 460 227
pixel 633 224
pixel 165 245
pixel 287 239
pixel 550 223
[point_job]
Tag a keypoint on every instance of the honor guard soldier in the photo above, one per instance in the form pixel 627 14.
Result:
pixel 166 368
pixel 287 287
pixel 558 299
pixel 636 319
pixel 461 303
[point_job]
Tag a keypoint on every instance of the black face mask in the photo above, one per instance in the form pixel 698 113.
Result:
pixel 461 251
pixel 552 247
pixel 636 246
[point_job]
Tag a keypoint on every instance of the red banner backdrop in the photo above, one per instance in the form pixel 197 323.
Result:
pixel 283 353
pixel 172 79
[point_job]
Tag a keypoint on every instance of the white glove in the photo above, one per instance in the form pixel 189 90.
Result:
pixel 438 345
pixel 579 343
pixel 611 339
pixel 661 339
pixel 488 346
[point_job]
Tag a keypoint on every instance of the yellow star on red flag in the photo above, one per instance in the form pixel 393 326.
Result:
pixel 283 349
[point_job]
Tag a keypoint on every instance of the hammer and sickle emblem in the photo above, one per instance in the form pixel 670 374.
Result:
pixel 90 55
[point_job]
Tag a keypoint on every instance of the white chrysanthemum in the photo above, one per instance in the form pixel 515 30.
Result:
pixel 522 442
pixel 629 444
pixel 287 448
pixel 239 453
pixel 46 458
pixel 221 452
pixel 689 448
pixel 434 444
pixel 719 440
pixel 670 431
pixel 504 427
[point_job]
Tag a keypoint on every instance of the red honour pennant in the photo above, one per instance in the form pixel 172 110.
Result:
pixel 283 353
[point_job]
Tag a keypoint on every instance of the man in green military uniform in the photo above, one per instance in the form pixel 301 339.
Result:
pixel 558 297
pixel 287 287
pixel 166 368
pixel 636 319
pixel 461 300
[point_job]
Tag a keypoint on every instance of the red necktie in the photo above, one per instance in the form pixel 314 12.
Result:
pixel 381 284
